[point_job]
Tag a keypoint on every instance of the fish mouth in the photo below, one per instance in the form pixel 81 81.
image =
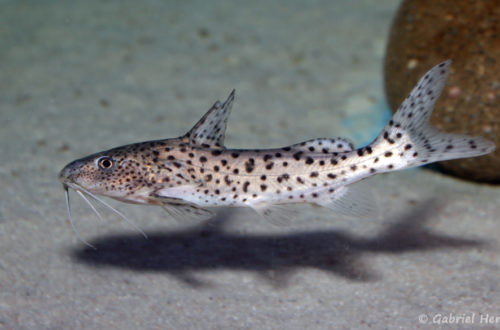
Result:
pixel 63 176
pixel 67 185
pixel 67 174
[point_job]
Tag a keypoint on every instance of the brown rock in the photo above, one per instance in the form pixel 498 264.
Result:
pixel 426 32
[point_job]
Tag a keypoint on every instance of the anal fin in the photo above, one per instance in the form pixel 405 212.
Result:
pixel 276 214
pixel 353 200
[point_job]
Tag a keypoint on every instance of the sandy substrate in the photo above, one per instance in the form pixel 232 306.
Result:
pixel 80 77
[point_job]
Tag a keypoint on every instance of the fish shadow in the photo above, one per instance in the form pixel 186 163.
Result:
pixel 209 247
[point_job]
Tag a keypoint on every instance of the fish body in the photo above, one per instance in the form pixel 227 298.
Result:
pixel 192 173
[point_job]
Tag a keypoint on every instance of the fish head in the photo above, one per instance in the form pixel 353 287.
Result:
pixel 121 173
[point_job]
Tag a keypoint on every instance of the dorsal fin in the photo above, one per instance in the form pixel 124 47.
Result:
pixel 211 128
pixel 325 145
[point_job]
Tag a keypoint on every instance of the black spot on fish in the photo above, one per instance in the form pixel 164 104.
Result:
pixel 250 165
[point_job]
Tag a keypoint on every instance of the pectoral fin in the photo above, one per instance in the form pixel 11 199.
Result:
pixel 173 200
pixel 187 212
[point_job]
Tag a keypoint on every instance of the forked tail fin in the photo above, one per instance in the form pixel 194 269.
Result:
pixel 409 140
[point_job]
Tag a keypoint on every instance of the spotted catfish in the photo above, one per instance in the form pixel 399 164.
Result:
pixel 188 174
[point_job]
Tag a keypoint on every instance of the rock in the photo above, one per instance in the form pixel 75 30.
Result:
pixel 426 32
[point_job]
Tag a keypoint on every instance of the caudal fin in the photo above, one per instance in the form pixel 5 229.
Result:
pixel 410 135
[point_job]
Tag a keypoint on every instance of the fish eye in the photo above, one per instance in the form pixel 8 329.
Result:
pixel 105 162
